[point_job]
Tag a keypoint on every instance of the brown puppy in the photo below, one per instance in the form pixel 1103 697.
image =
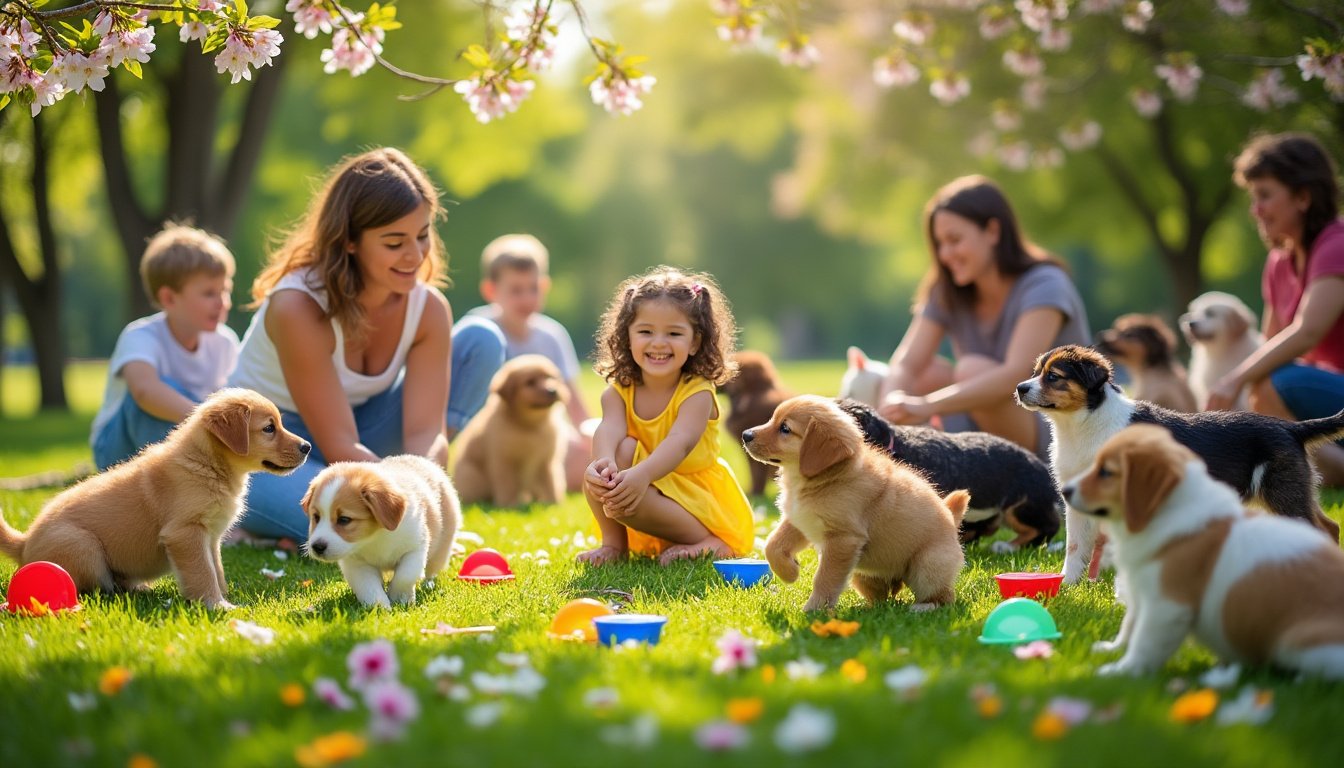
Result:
pixel 1256 589
pixel 753 395
pixel 513 451
pixel 167 508
pixel 866 515
pixel 1146 346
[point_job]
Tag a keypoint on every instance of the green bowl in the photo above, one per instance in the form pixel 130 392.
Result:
pixel 1019 620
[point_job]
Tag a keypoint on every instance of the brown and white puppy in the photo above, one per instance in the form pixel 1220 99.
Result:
pixel 167 508
pixel 1146 346
pixel 1263 458
pixel 1255 588
pixel 397 516
pixel 868 516
pixel 753 395
pixel 513 451
pixel 1221 331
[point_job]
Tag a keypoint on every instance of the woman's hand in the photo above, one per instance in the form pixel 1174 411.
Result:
pixel 626 494
pixel 1223 396
pixel 900 408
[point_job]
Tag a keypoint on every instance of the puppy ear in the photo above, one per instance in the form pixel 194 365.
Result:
pixel 387 505
pixel 1150 476
pixel 823 447
pixel 505 384
pixel 1239 321
pixel 229 423
pixel 307 500
pixel 1094 377
pixel 856 358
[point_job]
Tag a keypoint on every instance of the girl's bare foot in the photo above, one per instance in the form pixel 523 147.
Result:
pixel 602 555
pixel 710 546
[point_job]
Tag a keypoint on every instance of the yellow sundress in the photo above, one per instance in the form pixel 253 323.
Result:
pixel 703 484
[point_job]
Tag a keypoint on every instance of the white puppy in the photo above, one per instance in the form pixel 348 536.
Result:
pixel 863 377
pixel 1254 588
pixel 398 515
pixel 1221 331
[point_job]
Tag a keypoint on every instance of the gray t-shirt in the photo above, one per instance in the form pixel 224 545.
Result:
pixel 545 336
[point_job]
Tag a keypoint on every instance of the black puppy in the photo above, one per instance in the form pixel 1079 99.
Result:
pixel 1007 483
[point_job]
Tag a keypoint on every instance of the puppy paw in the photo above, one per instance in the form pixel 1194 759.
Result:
pixel 923 607
pixel 1106 646
pixel 815 603
pixel 221 605
pixel 402 596
pixel 1002 547
pixel 786 568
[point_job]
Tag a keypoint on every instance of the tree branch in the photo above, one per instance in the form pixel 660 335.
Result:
pixel 84 8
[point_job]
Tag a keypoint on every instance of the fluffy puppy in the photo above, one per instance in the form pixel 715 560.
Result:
pixel 1256 589
pixel 863 377
pixel 167 508
pixel 753 395
pixel 513 451
pixel 1261 457
pixel 868 516
pixel 397 516
pixel 1146 346
pixel 1221 331
pixel 1008 485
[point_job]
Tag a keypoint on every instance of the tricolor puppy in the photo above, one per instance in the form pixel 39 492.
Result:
pixel 1261 457
pixel 1255 588
pixel 397 516
pixel 1221 331
pixel 868 516
pixel 167 508
pixel 1146 346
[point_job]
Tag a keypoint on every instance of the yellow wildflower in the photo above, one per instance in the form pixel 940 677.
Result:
pixel 113 680
pixel 1194 706
pixel 854 671
pixel 743 711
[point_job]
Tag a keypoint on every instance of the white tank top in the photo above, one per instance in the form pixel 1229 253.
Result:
pixel 259 366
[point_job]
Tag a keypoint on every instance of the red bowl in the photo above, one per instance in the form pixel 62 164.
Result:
pixel 1029 584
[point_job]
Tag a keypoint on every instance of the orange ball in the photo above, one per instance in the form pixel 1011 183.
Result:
pixel 575 619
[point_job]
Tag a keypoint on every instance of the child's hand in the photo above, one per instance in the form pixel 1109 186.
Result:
pixel 600 475
pixel 628 491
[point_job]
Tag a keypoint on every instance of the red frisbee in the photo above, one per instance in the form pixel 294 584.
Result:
pixel 41 587
pixel 485 566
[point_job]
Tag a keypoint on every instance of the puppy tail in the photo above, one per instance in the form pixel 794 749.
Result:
pixel 1314 431
pixel 956 502
pixel 11 541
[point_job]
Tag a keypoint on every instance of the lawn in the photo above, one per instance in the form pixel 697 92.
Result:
pixel 150 680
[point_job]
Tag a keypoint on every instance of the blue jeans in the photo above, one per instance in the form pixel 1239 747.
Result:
pixel 1309 392
pixel 130 429
pixel 272 504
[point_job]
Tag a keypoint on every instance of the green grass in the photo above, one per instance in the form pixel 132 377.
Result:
pixel 201 695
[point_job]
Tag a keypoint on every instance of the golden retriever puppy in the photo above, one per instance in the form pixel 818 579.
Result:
pixel 513 451
pixel 1146 346
pixel 867 515
pixel 167 508
pixel 397 516
pixel 1254 588
pixel 753 395
pixel 1221 331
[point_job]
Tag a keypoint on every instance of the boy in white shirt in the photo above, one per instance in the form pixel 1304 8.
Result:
pixel 164 364
pixel 515 280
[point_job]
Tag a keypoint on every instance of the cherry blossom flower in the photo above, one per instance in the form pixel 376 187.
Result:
pixel 193 30
pixel 950 88
pixel 805 729
pixel 1075 137
pixel 493 99
pixel 1039 15
pixel 329 692
pixel 530 25
pixel 310 17
pixel 798 52
pixel 1181 74
pixel 1136 15
pixel 803 668
pixel 1047 156
pixel 353 49
pixel 620 93
pixel 1005 116
pixel 1267 91
pixel 914 27
pixel 393 705
pixel 1033 94
pixel 1015 155
pixel 19 40
pixel 1327 68
pixel 1234 7
pixel 1251 707
pixel 736 651
pixel 79 70
pixel 1055 39
pixel 894 71
pixel 982 145
pixel 742 29
pixel 372 662
pixel 721 736
pixel 485 714
pixel 1023 62
pixel 725 7
pixel 135 45
pixel 1146 102
pixel 995 22
pixel 253 633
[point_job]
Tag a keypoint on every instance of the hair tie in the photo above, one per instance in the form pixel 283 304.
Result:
pixel 696 288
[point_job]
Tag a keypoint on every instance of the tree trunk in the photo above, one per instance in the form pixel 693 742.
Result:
pixel 134 226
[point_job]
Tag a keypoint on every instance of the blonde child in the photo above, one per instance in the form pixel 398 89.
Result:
pixel 164 364
pixel 656 484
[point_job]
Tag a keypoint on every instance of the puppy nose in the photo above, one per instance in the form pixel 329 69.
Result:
pixel 748 436
pixel 305 447
pixel 1067 491
pixel 1023 389
pixel 319 546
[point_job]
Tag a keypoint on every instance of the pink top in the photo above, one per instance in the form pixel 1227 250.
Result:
pixel 1283 287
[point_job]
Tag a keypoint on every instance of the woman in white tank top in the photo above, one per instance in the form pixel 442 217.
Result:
pixel 351 340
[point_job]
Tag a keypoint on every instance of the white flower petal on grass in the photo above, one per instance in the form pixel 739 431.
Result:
pixel 484 715
pixel 492 685
pixel 281 554
pixel 805 729
pixel 721 736
pixel 82 702
pixel 444 666
pixel 1251 707
pixel 272 575
pixel 516 660
pixel 601 698
pixel 1221 677
pixel 253 633
pixel 803 669
pixel 527 682
pixel 906 679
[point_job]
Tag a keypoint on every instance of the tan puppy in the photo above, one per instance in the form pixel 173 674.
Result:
pixel 753 395
pixel 166 508
pixel 397 516
pixel 1255 588
pixel 1146 346
pixel 866 514
pixel 513 451
pixel 1221 331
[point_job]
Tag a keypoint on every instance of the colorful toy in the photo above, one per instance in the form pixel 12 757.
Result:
pixel 574 620
pixel 619 628
pixel 41 588
pixel 1029 584
pixel 485 566
pixel 743 571
pixel 1019 620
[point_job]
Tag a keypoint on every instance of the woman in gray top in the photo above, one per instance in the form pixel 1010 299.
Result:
pixel 1000 299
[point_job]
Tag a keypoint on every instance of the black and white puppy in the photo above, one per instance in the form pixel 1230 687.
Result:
pixel 1261 457
pixel 1008 484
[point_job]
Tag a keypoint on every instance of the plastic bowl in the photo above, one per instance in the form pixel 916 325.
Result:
pixel 46 584
pixel 1019 620
pixel 744 571
pixel 485 566
pixel 1029 584
pixel 619 628
pixel 574 620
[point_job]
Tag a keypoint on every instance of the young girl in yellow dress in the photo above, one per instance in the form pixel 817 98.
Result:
pixel 657 485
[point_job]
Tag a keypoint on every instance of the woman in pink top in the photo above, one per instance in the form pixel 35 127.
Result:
pixel 1299 372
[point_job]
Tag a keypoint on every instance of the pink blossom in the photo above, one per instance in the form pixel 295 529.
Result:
pixel 1033 94
pixel 135 45
pixel 1182 76
pixel 1137 15
pixel 1023 62
pixel 894 71
pixel 495 99
pixel 329 692
pixel 995 23
pixel 245 49
pixel 47 91
pixel 1039 649
pixel 193 30
pixel 19 40
pixel 353 49
pixel 1015 155
pixel 620 93
pixel 1005 117
pixel 1327 68
pixel 371 662
pixel 539 49
pixel 742 30
pixel 1075 138
pixel 1055 39
pixel 721 736
pixel 1146 102
pixel 1234 7
pixel 1268 91
pixel 950 88
pixel 1047 156
pixel 736 651
pixel 393 707
pixel 725 7
pixel 1037 15
pixel 79 70
pixel 102 23
pixel 798 53
pixel 310 17
pixel 914 28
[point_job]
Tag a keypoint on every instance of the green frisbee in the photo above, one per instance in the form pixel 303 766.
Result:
pixel 1019 620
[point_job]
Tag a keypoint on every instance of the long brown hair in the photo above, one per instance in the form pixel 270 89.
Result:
pixel 695 295
pixel 1299 162
pixel 979 200
pixel 365 191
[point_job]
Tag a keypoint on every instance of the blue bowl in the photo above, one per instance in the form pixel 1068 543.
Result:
pixel 618 628
pixel 744 571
